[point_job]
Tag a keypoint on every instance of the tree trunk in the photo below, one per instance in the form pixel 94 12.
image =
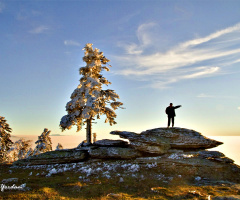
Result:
pixel 89 131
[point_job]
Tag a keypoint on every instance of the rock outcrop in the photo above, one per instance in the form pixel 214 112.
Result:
pixel 201 165
pixel 154 142
pixel 55 157
pixel 167 156
pixel 160 140
pixel 113 153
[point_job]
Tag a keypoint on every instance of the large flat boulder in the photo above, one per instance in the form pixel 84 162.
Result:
pixel 55 157
pixel 160 140
pixel 181 138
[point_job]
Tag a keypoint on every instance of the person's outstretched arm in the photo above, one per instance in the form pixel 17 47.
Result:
pixel 177 107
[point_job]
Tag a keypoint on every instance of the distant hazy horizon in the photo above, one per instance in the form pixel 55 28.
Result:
pixel 106 134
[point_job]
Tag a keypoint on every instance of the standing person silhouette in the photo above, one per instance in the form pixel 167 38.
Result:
pixel 170 111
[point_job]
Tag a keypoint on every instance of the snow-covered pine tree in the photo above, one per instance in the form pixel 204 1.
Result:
pixel 21 149
pixel 5 141
pixel 89 100
pixel 44 143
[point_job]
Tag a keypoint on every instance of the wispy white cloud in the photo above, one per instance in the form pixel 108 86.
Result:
pixel 39 29
pixel 212 36
pixel 144 39
pixel 197 58
pixel 202 72
pixel 71 43
pixel 143 34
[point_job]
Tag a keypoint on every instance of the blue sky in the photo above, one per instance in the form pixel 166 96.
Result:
pixel 184 52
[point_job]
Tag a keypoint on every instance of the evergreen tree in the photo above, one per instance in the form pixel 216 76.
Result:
pixel 5 141
pixel 20 150
pixel 44 143
pixel 89 100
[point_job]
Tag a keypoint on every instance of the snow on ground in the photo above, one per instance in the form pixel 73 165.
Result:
pixel 178 156
pixel 108 170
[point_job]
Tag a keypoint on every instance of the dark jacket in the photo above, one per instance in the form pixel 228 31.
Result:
pixel 170 111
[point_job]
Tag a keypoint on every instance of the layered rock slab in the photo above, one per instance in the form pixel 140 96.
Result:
pixel 207 165
pixel 152 142
pixel 103 149
pixel 111 143
pixel 55 157
pixel 181 138
pixel 113 153
pixel 160 140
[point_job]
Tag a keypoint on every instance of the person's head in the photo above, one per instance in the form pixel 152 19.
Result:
pixel 171 104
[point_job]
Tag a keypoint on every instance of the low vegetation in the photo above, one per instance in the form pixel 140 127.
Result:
pixel 107 180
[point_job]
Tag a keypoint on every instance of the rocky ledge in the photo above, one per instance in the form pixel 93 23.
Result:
pixel 160 140
pixel 152 142
pixel 174 152
pixel 55 157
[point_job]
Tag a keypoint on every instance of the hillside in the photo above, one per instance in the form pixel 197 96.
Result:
pixel 156 164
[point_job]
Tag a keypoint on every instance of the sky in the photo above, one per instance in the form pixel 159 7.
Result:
pixel 181 52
